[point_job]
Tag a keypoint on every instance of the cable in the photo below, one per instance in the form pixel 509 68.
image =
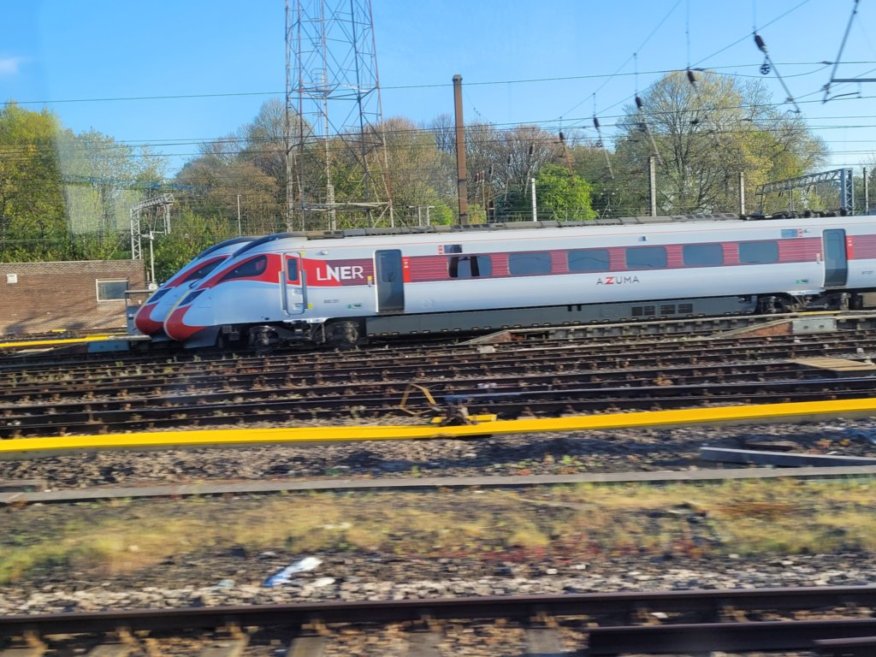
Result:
pixel 839 55
pixel 641 45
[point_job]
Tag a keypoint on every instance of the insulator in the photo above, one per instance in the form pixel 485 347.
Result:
pixel 691 77
pixel 758 40
pixel 531 149
pixel 596 123
pixel 639 102
pixel 562 136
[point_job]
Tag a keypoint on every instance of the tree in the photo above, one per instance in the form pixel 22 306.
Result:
pixel 419 171
pixel 103 179
pixel 509 159
pixel 220 178
pixel 563 194
pixel 32 220
pixel 191 235
pixel 704 133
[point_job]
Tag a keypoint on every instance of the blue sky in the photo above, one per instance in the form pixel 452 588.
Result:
pixel 76 57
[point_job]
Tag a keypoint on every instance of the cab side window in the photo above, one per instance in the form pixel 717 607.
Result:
pixel 202 271
pixel 248 269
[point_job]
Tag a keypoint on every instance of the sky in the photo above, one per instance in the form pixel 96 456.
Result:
pixel 171 74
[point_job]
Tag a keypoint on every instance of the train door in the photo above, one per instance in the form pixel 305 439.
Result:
pixel 836 264
pixel 293 284
pixel 390 281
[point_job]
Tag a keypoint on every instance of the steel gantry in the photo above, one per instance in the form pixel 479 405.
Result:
pixel 841 177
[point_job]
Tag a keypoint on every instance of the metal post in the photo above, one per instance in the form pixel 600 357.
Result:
pixel 652 181
pixel 461 182
pixel 741 192
pixel 847 191
pixel 151 258
pixel 866 193
pixel 239 231
pixel 534 203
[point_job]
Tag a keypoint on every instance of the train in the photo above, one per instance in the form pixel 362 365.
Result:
pixel 150 317
pixel 346 287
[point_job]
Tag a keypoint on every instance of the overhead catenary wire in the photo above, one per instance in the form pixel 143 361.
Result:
pixel 839 55
pixel 768 64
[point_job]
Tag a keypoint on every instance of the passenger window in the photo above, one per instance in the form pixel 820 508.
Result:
pixel 588 260
pixel 470 266
pixel 758 253
pixel 646 257
pixel 526 264
pixel 254 267
pixel 703 255
pixel 292 270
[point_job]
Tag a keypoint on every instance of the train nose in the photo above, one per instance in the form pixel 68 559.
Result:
pixel 144 322
pixel 176 327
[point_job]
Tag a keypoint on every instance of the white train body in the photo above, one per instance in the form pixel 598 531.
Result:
pixel 466 280
pixel 151 315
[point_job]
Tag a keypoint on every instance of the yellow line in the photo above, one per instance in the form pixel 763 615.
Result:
pixel 57 341
pixel 757 413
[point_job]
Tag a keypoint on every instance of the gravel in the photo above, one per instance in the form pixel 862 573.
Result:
pixel 551 453
pixel 237 577
pixel 240 580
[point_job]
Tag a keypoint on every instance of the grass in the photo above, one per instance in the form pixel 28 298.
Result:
pixel 765 518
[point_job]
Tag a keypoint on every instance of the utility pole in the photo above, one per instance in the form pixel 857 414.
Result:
pixel 866 193
pixel 239 230
pixel 461 182
pixel 652 183
pixel 741 192
pixel 534 203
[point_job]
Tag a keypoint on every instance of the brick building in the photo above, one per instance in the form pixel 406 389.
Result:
pixel 40 296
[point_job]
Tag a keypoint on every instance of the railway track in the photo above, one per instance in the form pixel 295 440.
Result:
pixel 31 491
pixel 608 624
pixel 509 380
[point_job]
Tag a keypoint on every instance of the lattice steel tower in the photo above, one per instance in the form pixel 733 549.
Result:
pixel 333 117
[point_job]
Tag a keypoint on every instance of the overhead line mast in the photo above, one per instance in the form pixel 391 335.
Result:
pixel 333 97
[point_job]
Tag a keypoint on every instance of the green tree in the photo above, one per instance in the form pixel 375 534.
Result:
pixel 704 134
pixel 191 234
pixel 563 194
pixel 217 182
pixel 32 220
pixel 103 179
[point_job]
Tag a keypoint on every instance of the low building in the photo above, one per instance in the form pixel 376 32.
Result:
pixel 36 297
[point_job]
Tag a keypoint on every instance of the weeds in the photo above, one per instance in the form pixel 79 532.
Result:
pixel 584 522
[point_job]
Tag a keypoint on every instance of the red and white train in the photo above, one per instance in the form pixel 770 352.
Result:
pixel 151 315
pixel 342 289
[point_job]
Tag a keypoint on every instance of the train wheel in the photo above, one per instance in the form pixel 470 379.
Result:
pixel 343 334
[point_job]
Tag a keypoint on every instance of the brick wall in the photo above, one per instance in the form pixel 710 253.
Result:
pixel 40 296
